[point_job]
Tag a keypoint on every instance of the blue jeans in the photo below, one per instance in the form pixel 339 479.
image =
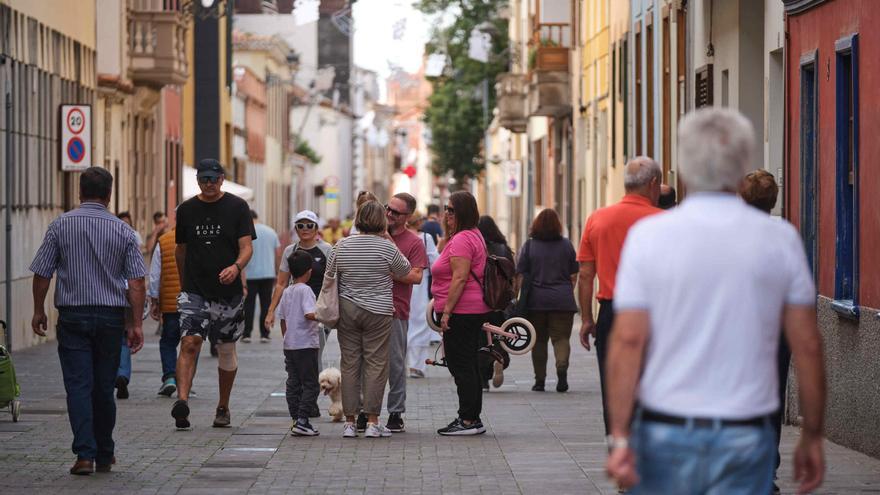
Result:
pixel 168 343
pixel 124 360
pixel 88 347
pixel 685 459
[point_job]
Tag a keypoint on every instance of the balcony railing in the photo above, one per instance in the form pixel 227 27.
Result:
pixel 157 47
pixel 550 46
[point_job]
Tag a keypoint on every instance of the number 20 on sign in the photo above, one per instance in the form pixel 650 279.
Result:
pixel 76 137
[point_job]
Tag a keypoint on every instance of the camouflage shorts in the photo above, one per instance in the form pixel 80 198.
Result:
pixel 217 321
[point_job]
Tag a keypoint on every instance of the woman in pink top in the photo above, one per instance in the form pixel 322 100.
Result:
pixel 457 279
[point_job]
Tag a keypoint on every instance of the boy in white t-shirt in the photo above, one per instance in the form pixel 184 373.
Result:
pixel 296 310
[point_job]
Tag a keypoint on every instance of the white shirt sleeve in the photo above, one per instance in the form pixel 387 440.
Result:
pixel 281 312
pixel 286 254
pixel 801 289
pixel 630 287
pixel 430 249
pixel 155 273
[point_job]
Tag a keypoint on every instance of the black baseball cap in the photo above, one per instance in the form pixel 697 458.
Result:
pixel 209 167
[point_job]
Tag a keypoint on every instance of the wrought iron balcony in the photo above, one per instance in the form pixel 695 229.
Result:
pixel 157 47
pixel 512 91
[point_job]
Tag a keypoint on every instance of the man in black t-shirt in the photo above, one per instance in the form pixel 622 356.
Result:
pixel 214 235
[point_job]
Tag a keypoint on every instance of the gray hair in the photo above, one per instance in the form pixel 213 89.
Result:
pixel 639 172
pixel 714 149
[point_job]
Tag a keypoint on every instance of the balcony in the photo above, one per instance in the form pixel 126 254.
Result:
pixel 549 80
pixel 550 46
pixel 511 91
pixel 157 47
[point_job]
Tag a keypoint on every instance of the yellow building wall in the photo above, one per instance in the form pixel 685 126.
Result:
pixel 73 18
pixel 225 124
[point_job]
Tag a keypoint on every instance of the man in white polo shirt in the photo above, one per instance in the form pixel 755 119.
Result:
pixel 701 294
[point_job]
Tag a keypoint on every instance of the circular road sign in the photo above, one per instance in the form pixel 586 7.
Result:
pixel 76 150
pixel 76 121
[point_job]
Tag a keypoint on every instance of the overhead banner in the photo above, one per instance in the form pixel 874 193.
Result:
pixel 76 137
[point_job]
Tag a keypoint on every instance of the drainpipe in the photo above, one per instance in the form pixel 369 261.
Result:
pixel 8 206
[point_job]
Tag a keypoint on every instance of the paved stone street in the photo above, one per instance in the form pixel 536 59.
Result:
pixel 536 443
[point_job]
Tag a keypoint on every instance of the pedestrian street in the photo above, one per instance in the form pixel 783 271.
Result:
pixel 536 443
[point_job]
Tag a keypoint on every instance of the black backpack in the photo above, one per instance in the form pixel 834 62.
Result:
pixel 498 278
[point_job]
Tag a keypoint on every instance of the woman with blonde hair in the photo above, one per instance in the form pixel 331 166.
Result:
pixel 365 265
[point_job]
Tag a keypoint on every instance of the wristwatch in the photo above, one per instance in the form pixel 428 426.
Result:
pixel 615 443
pixel 237 266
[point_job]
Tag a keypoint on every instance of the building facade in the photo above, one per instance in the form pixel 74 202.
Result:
pixel 49 53
pixel 832 65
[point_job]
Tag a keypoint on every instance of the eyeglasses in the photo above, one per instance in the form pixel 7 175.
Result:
pixel 449 210
pixel 212 180
pixel 306 226
pixel 393 211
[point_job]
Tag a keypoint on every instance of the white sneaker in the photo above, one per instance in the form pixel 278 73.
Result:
pixel 349 431
pixel 376 431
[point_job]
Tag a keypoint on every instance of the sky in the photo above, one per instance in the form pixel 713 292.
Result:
pixel 374 36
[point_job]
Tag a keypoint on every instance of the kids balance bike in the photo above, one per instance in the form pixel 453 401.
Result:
pixel 516 335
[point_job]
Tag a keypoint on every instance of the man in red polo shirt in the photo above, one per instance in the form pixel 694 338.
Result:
pixel 599 253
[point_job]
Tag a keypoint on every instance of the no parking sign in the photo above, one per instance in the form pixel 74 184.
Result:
pixel 76 137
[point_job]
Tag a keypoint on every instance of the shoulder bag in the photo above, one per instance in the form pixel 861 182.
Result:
pixel 327 306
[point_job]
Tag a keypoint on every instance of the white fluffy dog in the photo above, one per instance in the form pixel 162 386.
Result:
pixel 331 384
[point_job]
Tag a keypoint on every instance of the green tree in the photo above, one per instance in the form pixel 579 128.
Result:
pixel 455 109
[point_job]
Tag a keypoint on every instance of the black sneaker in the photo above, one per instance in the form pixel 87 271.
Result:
pixel 561 381
pixel 538 386
pixel 361 423
pixel 395 423
pixel 458 428
pixel 180 413
pixel 121 387
pixel 222 419
pixel 302 428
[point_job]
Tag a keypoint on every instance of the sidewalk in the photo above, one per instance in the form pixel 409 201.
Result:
pixel 545 443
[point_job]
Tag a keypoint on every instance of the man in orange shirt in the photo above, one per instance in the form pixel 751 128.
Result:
pixel 599 253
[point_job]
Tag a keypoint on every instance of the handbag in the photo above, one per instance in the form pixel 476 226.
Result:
pixel 520 308
pixel 327 306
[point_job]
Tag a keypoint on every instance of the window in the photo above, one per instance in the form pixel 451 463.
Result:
pixel 624 78
pixel 666 115
pixel 649 79
pixel 846 263
pixel 637 96
pixel 614 76
pixel 808 152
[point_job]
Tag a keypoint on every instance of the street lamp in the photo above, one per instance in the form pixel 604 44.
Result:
pixel 205 9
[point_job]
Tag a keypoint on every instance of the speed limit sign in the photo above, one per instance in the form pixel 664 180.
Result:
pixel 76 120
pixel 76 137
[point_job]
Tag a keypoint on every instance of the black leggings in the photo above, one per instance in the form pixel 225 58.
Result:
pixel 461 342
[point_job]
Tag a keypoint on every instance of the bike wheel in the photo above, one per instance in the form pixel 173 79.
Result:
pixel 432 317
pixel 525 336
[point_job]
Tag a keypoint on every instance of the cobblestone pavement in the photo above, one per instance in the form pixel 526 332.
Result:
pixel 537 442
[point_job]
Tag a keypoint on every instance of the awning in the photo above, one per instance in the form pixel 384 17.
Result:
pixel 191 187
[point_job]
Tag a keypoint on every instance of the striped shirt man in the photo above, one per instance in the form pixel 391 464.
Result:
pixel 93 253
pixel 365 264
